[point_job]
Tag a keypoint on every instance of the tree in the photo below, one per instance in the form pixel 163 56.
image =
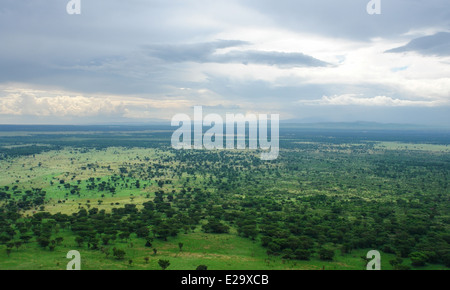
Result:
pixel 303 255
pixel 155 251
pixel 202 268
pixel 4 238
pixel 180 245
pixel 105 240
pixel 142 232
pixel 326 255
pixel 164 264
pixel 25 238
pixel 105 251
pixel 146 259
pixel 94 243
pixel 119 254
pixel 248 230
pixel 124 235
pixel 446 260
pixel 59 240
pixel 346 248
pixel 395 262
pixel 215 227
pixel 79 241
pixel 18 244
pixel 8 252
pixel 43 242
pixel 418 259
pixel 162 231
pixel 402 267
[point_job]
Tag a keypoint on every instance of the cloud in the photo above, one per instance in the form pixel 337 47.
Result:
pixel 196 52
pixel 348 18
pixel 207 52
pixel 18 101
pixel 281 59
pixel 437 44
pixel 130 58
pixel 378 101
pixel 31 104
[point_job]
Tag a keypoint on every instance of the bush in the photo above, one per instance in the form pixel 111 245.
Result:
pixel 303 255
pixel 215 227
pixel 164 264
pixel 119 254
pixel 202 268
pixel 418 259
pixel 446 260
pixel 326 255
pixel 402 267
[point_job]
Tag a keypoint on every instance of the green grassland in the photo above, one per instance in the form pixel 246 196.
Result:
pixel 412 146
pixel 218 252
pixel 346 196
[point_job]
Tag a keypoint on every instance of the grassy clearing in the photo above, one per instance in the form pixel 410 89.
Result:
pixel 218 252
pixel 411 146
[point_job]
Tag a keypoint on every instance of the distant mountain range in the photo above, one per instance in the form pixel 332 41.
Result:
pixel 158 124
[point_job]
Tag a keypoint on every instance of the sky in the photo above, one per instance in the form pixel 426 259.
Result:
pixel 138 61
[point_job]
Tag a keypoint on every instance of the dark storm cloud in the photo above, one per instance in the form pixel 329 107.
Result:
pixel 437 44
pixel 206 53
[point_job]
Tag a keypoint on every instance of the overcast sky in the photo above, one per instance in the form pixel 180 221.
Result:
pixel 140 60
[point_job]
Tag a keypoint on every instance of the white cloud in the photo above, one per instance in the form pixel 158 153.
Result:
pixel 19 100
pixel 357 64
pixel 39 103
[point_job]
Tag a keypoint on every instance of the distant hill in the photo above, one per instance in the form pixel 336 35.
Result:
pixel 357 125
pixel 165 125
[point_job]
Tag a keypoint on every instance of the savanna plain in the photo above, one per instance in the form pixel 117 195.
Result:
pixel 124 199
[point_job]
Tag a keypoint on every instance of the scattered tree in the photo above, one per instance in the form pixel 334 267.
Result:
pixel 164 264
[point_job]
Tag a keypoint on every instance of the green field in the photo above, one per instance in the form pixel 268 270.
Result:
pixel 218 252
